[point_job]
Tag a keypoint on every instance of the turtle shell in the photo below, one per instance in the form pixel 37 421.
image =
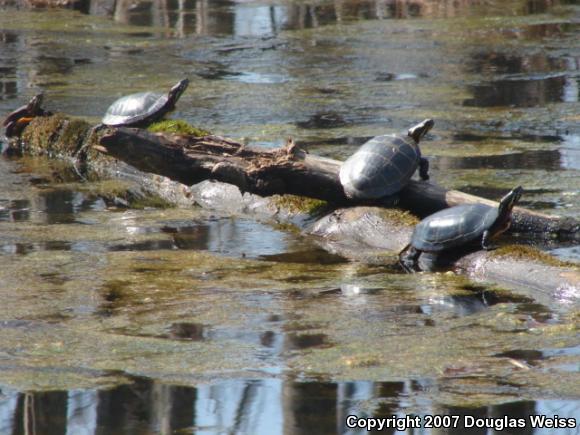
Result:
pixel 380 167
pixel 135 108
pixel 453 227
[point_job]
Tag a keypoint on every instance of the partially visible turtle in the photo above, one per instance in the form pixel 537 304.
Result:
pixel 143 108
pixel 16 121
pixel 460 225
pixel 385 164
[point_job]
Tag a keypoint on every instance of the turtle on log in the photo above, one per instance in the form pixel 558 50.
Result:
pixel 453 227
pixel 17 120
pixel 385 164
pixel 143 108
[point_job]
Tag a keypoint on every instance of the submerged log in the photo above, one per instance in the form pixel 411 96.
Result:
pixel 362 232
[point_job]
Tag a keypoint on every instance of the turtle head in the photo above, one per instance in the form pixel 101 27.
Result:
pixel 504 214
pixel 35 103
pixel 178 89
pixel 507 202
pixel 418 131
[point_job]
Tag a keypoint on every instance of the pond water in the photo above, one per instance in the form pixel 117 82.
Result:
pixel 152 320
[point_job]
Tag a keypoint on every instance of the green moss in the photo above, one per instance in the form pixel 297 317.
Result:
pixel 523 252
pixel 399 217
pixel 176 126
pixel 54 135
pixel 105 188
pixel 72 136
pixel 300 204
pixel 149 201
pixel 39 135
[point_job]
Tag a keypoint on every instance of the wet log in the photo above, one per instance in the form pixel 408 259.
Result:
pixel 168 165
pixel 189 159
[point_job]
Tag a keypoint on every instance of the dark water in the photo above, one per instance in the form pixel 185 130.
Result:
pixel 118 320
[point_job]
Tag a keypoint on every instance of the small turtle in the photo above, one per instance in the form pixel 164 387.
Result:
pixel 455 226
pixel 385 164
pixel 16 121
pixel 143 108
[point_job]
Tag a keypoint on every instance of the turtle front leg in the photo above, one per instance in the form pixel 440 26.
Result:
pixel 486 241
pixel 408 259
pixel 424 169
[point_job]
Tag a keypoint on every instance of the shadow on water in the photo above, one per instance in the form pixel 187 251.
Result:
pixel 260 406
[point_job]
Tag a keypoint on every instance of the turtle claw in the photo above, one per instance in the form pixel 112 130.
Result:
pixel 406 267
pixel 408 258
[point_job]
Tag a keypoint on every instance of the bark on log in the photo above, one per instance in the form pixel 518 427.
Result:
pixel 356 232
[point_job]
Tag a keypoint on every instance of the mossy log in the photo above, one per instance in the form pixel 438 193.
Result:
pixel 169 164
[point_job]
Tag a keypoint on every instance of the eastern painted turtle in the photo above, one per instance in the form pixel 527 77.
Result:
pixel 456 226
pixel 21 117
pixel 385 164
pixel 143 108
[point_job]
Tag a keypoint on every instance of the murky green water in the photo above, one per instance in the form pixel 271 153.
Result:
pixel 137 321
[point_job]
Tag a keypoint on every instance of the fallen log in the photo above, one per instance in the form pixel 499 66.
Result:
pixel 358 232
pixel 288 170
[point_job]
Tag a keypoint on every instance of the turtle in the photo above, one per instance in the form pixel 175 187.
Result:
pixel 143 108
pixel 17 120
pixel 453 227
pixel 385 164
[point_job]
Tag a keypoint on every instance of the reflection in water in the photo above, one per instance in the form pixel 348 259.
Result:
pixel 524 80
pixel 260 406
pixel 570 152
pixel 534 91
pixel 54 206
pixel 241 238
pixel 8 71
pixel 493 62
pixel 236 237
pixel 17 210
pixel 226 17
pixel 549 160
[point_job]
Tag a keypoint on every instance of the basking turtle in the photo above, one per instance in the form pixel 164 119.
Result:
pixel 459 225
pixel 385 164
pixel 143 108
pixel 16 121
